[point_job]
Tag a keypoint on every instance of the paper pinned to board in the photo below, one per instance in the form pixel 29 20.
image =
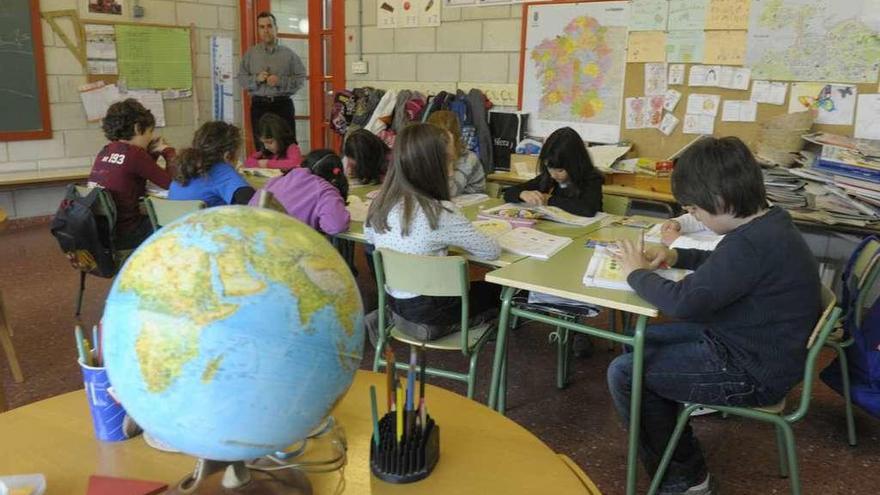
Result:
pixel 655 79
pixel 698 124
pixel 97 97
pixel 646 46
pixel 703 104
pixel 769 92
pixel 668 124
pixel 739 111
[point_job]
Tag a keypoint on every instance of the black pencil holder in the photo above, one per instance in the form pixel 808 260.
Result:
pixel 411 459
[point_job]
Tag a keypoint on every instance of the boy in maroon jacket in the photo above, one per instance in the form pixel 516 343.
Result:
pixel 123 167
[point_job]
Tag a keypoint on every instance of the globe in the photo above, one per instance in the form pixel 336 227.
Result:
pixel 232 332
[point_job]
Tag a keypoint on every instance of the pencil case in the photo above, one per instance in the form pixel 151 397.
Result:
pixel 411 459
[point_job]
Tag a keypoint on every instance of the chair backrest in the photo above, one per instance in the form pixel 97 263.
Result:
pixel 615 205
pixel 423 275
pixel 266 199
pixel 493 189
pixel 649 208
pixel 827 320
pixel 164 211
pixel 105 207
pixel 865 273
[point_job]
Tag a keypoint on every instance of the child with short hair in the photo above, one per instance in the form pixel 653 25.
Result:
pixel 745 314
pixel 468 177
pixel 280 149
pixel 412 214
pixel 124 166
pixel 365 157
pixel 567 180
pixel 315 194
pixel 205 171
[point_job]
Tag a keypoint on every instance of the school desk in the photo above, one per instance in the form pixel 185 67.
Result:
pixel 562 276
pixel 481 451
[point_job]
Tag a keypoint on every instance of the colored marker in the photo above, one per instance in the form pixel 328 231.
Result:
pixel 81 350
pixel 399 424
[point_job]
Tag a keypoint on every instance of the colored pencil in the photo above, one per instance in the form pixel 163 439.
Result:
pixel 399 423
pixel 81 350
pixel 389 374
pixel 375 410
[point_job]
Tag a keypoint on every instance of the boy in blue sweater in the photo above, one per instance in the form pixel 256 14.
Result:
pixel 745 314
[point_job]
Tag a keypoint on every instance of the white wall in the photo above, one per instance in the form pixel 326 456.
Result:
pixel 75 142
pixel 478 45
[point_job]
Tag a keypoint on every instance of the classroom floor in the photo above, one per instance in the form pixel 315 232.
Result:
pixel 39 288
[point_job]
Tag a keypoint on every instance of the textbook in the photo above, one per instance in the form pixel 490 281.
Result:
pixel 530 242
pixel 551 213
pixel 262 172
pixel 604 271
pixel 522 240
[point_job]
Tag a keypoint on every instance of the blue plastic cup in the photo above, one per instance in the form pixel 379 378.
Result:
pixel 108 415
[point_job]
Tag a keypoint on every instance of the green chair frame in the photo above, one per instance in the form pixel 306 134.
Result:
pixel 164 211
pixel 615 205
pixel 430 276
pixel 105 207
pixel 770 414
pixel 866 271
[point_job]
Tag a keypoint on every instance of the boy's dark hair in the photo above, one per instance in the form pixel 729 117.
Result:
pixel 327 165
pixel 369 153
pixel 565 149
pixel 125 118
pixel 417 175
pixel 720 175
pixel 271 126
pixel 270 15
pixel 211 143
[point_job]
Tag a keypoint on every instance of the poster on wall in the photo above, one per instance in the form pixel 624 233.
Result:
pixel 223 103
pixel 100 49
pixel 574 64
pixel 112 7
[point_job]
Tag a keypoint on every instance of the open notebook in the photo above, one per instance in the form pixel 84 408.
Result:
pixel 604 271
pixel 522 240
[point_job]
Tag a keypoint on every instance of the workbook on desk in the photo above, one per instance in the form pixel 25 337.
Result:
pixel 522 240
pixel 551 213
pixel 606 272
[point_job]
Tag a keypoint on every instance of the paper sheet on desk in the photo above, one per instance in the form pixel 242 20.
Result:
pixel 358 208
pixel 605 155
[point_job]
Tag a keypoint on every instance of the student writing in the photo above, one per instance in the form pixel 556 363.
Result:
pixel 315 194
pixel 468 176
pixel 280 149
pixel 567 180
pixel 413 214
pixel 686 231
pixel 205 171
pixel 124 166
pixel 745 314
pixel 365 157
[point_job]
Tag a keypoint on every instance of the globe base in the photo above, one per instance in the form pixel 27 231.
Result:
pixel 234 478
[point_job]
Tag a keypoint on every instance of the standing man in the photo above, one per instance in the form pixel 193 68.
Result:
pixel 272 74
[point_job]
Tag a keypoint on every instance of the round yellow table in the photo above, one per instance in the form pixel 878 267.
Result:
pixel 481 451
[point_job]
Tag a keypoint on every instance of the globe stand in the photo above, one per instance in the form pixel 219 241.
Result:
pixel 234 478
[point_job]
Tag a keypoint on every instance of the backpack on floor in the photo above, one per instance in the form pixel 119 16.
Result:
pixel 863 356
pixel 85 238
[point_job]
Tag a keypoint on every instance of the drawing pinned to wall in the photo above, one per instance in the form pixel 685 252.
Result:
pixel 112 7
pixel 698 124
pixel 458 3
pixel 769 92
pixel 868 117
pixel 655 79
pixel 728 14
pixel 814 40
pixel 429 13
pixel 734 78
pixel 387 13
pixel 701 104
pixel 646 46
pixel 739 111
pixel 648 15
pixel 685 46
pixel 835 103
pixel 725 47
pixel 574 64
pixel 407 14
pixel 676 74
pixel 668 124
pixel 687 14
pixel 671 99
pixel 704 75
pixel 635 115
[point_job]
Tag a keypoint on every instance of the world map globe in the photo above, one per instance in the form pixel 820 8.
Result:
pixel 232 332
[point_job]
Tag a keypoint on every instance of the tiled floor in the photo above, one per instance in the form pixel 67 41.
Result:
pixel 39 288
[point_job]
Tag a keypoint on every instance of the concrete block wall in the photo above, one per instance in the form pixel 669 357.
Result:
pixel 75 141
pixel 472 44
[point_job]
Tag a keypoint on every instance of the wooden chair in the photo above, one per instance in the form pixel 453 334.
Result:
pixel 266 199
pixel 430 276
pixel 773 414
pixel 164 211
pixel 6 338
pixel 865 273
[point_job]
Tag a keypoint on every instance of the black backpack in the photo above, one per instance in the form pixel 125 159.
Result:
pixel 85 238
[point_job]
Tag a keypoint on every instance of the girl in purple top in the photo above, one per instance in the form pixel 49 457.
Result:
pixel 315 193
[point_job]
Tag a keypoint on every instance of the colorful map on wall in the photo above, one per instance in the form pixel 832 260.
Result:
pixel 573 68
pixel 814 40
